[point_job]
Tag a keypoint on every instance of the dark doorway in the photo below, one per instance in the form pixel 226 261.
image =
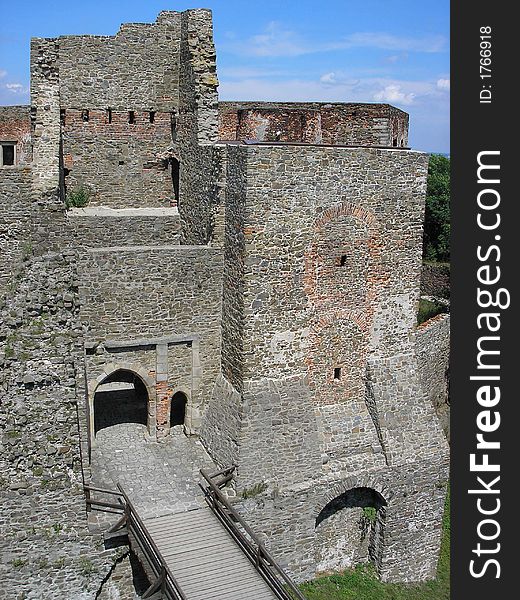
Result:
pixel 178 409
pixel 121 398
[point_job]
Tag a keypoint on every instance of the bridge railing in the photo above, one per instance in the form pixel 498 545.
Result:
pixel 277 579
pixel 165 584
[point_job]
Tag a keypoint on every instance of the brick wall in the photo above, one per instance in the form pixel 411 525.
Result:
pixel 15 126
pixel 314 122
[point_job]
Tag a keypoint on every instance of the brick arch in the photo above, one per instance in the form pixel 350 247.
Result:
pixel 374 242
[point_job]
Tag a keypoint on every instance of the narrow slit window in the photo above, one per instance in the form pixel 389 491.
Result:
pixel 152 116
pixel 337 373
pixel 395 142
pixel 131 117
pixel 109 115
pixel 85 115
pixel 343 260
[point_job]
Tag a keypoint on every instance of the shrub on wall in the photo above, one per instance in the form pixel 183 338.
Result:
pixel 77 198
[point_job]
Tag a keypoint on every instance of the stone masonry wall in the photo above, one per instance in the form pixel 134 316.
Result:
pixel 15 126
pixel 326 249
pixel 131 293
pixel 314 123
pixel 15 200
pixel 137 69
pixel 201 161
pixel 46 547
pixel 432 346
pixel 121 164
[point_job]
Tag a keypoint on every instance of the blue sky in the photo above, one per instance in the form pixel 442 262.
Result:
pixel 394 51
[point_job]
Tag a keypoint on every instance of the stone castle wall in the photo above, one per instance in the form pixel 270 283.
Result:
pixel 15 200
pixel 432 346
pixel 323 246
pixel 314 123
pixel 15 126
pixel 279 296
pixel 121 164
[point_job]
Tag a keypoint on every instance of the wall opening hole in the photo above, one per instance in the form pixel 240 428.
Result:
pixel 109 115
pixel 337 373
pixel 178 409
pixel 85 115
pixel 176 173
pixel 394 142
pixel 343 260
pixel 8 155
pixel 152 116
pixel 131 117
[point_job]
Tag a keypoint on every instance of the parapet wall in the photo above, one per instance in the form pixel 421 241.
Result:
pixel 314 123
pixel 137 69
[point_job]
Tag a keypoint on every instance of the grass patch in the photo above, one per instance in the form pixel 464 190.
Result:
pixel 428 309
pixel 362 583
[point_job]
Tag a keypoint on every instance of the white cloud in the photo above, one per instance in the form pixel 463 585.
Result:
pixel 328 77
pixel 394 93
pixel 275 40
pixel 15 88
pixel 387 41
pixel 278 40
pixel 443 84
pixel 2 73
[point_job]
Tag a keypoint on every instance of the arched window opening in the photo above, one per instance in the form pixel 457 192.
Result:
pixel 349 530
pixel 178 409
pixel 121 398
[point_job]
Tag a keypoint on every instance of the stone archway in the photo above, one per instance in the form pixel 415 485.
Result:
pixel 178 405
pixel 121 398
pixel 123 373
pixel 350 521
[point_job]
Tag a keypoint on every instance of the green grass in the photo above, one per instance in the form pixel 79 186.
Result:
pixel 362 583
pixel 428 309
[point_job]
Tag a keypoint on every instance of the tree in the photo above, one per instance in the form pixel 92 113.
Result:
pixel 436 240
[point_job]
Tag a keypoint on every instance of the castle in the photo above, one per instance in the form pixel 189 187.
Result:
pixel 250 270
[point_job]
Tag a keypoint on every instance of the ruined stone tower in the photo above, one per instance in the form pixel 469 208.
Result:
pixel 251 270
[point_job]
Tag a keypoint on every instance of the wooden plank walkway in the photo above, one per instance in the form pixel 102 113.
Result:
pixel 204 558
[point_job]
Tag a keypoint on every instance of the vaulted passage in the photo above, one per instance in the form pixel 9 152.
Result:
pixel 121 398
pixel 349 530
pixel 178 409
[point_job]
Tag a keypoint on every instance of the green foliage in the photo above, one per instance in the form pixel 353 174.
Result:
pixel 362 582
pixel 255 490
pixel 86 565
pixel 369 514
pixel 428 309
pixel 18 563
pixel 78 198
pixel 436 241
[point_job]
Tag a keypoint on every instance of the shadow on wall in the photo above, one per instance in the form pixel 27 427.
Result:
pixel 349 530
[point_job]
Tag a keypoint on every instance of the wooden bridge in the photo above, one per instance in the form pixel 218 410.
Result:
pixel 209 553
